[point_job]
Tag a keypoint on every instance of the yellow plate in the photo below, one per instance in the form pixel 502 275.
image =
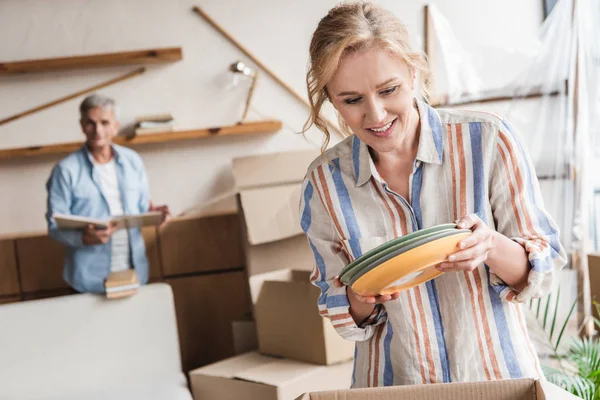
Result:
pixel 408 269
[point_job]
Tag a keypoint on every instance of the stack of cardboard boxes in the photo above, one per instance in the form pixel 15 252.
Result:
pixel 298 350
pixel 300 356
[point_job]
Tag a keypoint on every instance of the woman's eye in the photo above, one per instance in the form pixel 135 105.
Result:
pixel 352 100
pixel 389 91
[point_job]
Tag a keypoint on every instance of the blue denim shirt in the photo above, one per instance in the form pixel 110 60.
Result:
pixel 74 188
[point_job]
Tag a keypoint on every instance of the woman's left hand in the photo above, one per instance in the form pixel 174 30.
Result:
pixel 474 249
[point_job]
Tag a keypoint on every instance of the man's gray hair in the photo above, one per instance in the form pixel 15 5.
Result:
pixel 95 101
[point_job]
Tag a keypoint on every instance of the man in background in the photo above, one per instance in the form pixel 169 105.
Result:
pixel 100 180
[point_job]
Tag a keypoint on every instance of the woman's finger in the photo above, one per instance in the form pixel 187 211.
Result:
pixel 468 221
pixel 468 254
pixel 337 282
pixel 466 265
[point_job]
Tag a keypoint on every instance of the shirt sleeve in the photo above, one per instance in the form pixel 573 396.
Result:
pixel 329 261
pixel 519 214
pixel 59 201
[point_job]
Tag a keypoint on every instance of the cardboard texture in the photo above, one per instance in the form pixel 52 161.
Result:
pixel 288 323
pixel 293 253
pixel 150 235
pixel 190 245
pixel 205 306
pixel 272 169
pixel 594 268
pixel 518 389
pixel 40 260
pixel 252 376
pixel 269 189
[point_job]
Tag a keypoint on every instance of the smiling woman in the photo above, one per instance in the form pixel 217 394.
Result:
pixel 406 167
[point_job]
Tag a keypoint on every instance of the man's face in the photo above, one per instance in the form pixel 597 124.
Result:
pixel 99 127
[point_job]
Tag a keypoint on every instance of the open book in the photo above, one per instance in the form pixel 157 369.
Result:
pixel 125 221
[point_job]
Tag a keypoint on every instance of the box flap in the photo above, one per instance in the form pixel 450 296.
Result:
pixel 292 253
pixel 278 373
pixel 232 366
pixel 271 213
pixel 518 389
pixel 272 169
pixel 257 281
pixel 549 391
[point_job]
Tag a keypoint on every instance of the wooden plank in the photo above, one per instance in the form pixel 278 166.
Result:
pixel 190 245
pixel 152 252
pixel 258 127
pixel 147 56
pixel 444 102
pixel 72 96
pixel 205 306
pixel 9 276
pixel 40 261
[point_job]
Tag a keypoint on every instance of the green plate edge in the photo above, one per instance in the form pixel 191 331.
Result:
pixel 374 253
pixel 403 249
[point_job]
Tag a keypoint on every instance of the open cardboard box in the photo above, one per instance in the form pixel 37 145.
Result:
pixel 288 323
pixel 269 189
pixel 517 389
pixel 252 376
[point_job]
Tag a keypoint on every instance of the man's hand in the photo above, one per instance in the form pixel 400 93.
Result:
pixel 164 209
pixel 92 236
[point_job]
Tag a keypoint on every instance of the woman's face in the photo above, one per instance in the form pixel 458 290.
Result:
pixel 372 90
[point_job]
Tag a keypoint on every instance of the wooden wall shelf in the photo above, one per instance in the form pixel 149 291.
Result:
pixel 258 127
pixel 148 56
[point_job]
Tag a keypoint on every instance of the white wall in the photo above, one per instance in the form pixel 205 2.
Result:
pixel 195 90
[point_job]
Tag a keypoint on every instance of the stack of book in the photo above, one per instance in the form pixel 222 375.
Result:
pixel 154 123
pixel 121 284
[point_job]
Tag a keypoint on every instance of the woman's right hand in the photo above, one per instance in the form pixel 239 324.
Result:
pixel 361 307
pixel 352 295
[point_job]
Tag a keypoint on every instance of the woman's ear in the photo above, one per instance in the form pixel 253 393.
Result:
pixel 414 79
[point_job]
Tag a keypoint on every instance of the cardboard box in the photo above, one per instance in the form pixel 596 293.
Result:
pixel 521 389
pixel 244 336
pixel 594 268
pixel 252 376
pixel 269 189
pixel 288 323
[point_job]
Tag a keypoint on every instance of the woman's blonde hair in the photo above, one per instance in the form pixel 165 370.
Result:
pixel 351 27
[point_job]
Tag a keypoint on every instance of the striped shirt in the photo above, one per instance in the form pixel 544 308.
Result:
pixel 461 326
pixel 119 242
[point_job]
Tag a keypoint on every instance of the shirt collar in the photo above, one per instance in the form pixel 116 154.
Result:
pixel 430 146
pixel 115 149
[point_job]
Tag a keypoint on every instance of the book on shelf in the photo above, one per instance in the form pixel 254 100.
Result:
pixel 164 117
pixel 64 221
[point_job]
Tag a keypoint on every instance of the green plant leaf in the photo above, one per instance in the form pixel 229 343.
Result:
pixel 547 309
pixel 562 331
pixel 555 314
